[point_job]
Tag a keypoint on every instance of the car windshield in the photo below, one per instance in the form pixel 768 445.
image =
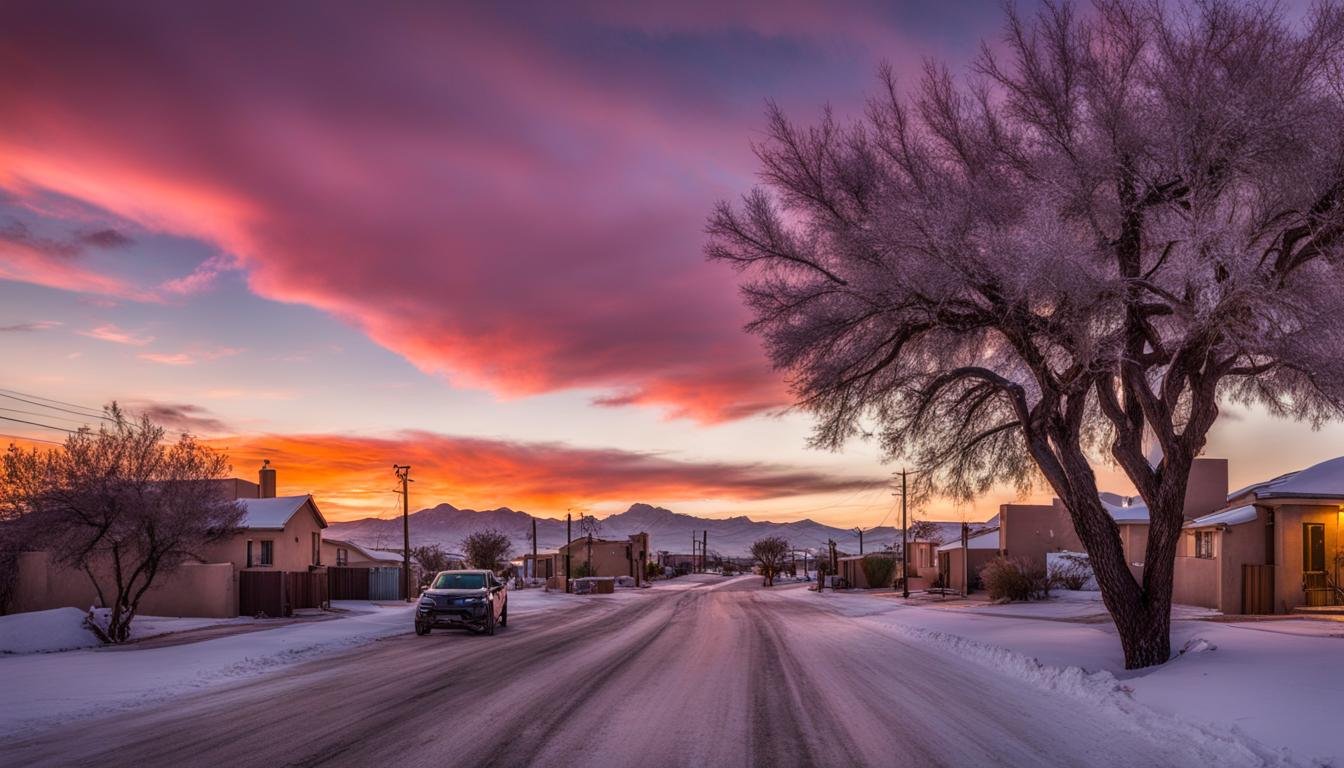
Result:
pixel 460 581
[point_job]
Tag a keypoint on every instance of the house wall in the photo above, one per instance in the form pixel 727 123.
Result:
pixel 1216 582
pixel 608 558
pixel 979 558
pixel 196 590
pixel 1206 489
pixel 293 545
pixel 1288 520
pixel 1029 531
pixel 923 561
pixel 1134 543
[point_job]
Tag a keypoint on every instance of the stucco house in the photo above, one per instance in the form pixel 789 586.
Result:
pixel 343 553
pixel 959 567
pixel 1274 547
pixel 592 557
pixel 282 533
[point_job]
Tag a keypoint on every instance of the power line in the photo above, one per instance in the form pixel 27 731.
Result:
pixel 44 415
pixel 31 439
pixel 6 393
pixel 36 424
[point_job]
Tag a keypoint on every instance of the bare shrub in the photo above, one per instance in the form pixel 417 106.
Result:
pixel 1014 579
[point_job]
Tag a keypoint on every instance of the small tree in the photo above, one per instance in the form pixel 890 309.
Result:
pixel 431 558
pixel 924 530
pixel 488 549
pixel 771 554
pixel 1128 218
pixel 120 504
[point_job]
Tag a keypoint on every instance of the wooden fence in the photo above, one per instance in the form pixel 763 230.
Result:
pixel 359 583
pixel 279 593
pixel 1257 589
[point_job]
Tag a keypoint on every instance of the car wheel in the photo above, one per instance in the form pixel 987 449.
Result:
pixel 489 628
pixel 504 615
pixel 421 629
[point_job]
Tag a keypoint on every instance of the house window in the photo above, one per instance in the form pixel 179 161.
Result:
pixel 317 549
pixel 249 553
pixel 1204 544
pixel 342 556
pixel 267 553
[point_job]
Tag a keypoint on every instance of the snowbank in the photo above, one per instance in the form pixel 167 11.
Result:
pixel 63 629
pixel 59 629
pixel 1249 692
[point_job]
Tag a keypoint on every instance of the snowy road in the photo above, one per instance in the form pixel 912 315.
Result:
pixel 720 674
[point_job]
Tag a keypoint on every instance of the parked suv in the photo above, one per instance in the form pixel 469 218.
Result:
pixel 473 599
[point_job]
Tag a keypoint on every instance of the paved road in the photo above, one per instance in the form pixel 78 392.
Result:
pixel 721 674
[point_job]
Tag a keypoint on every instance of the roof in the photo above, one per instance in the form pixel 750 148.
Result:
pixel 1124 509
pixel 1319 481
pixel 372 554
pixel 1233 516
pixel 275 513
pixel 983 540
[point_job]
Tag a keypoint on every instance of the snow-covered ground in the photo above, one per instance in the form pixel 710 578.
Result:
pixel 1276 682
pixel 91 680
pixel 63 629
pixel 54 687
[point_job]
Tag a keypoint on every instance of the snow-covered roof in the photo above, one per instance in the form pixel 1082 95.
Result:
pixel 370 554
pixel 985 540
pixel 1124 509
pixel 275 513
pixel 1233 516
pixel 1319 481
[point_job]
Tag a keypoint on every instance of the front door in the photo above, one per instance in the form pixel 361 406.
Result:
pixel 1313 564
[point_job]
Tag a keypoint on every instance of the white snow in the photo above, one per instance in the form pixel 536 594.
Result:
pixel 270 513
pixel 1234 516
pixel 1325 479
pixel 45 689
pixel 986 540
pixel 63 629
pixel 1261 689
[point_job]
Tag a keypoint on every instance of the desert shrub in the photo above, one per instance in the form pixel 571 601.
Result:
pixel 1012 578
pixel 879 570
pixel 1073 573
pixel 582 570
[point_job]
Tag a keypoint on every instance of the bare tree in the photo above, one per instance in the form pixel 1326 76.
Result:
pixel 924 530
pixel 121 505
pixel 771 555
pixel 431 558
pixel 1134 217
pixel 488 549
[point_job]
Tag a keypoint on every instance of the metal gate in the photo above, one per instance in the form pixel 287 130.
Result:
pixel 385 583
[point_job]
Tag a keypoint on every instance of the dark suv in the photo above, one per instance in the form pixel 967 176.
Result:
pixel 473 599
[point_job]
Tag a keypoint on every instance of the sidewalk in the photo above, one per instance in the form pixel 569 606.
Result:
pixel 1217 682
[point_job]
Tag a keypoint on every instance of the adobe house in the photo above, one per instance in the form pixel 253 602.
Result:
pixel 1273 547
pixel 851 570
pixel 282 533
pixel 604 557
pixel 342 553
pixel 959 567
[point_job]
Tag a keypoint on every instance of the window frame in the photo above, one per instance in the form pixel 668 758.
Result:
pixel 1204 546
pixel 266 556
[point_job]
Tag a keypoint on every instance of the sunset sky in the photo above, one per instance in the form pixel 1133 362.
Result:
pixel 466 238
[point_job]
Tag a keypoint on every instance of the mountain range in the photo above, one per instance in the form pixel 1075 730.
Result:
pixel 668 531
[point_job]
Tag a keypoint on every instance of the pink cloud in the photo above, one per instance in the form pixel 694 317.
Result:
pixel 504 206
pixel 111 333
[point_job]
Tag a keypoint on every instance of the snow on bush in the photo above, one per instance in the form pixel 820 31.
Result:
pixel 1071 570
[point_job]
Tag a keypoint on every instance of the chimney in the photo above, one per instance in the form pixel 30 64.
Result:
pixel 267 475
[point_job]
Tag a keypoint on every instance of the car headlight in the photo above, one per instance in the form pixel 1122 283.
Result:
pixel 427 602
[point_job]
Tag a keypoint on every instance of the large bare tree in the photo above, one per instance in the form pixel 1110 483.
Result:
pixel 121 504
pixel 1121 219
pixel 771 555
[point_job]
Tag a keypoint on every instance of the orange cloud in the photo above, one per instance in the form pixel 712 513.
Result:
pixel 352 476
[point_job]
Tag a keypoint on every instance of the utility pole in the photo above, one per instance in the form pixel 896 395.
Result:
pixel 534 547
pixel 404 474
pixel 569 537
pixel 704 550
pixel 860 532
pixel 905 555
pixel 965 558
pixel 695 553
